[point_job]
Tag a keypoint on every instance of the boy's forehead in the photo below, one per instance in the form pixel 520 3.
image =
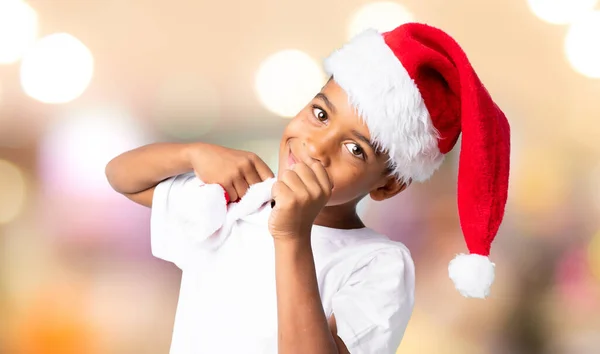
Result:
pixel 333 88
pixel 344 110
pixel 338 98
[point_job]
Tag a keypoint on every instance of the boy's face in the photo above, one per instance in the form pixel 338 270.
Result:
pixel 329 130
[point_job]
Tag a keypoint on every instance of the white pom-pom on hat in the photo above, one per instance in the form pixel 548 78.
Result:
pixel 472 274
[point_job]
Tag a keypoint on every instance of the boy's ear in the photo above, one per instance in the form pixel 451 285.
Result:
pixel 390 187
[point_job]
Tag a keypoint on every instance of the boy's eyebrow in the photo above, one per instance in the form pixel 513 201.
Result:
pixel 327 102
pixel 363 138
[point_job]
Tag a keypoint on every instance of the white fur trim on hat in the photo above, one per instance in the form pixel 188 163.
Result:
pixel 388 100
pixel 472 274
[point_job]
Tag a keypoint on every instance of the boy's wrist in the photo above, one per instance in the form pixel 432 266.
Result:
pixel 185 155
pixel 189 152
pixel 292 244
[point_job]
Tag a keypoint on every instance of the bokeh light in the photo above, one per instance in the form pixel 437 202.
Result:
pixel 18 29
pixel 12 191
pixel 594 255
pixel 186 107
pixel 582 45
pixel 382 16
pixel 57 69
pixel 287 81
pixel 74 153
pixel 560 11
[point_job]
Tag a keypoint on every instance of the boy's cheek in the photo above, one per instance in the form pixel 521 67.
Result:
pixel 299 121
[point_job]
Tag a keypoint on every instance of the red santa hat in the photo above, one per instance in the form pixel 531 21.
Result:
pixel 417 92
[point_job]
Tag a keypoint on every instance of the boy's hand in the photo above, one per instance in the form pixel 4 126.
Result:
pixel 234 170
pixel 299 194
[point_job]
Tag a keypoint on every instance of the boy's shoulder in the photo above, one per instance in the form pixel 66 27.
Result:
pixel 366 257
pixel 360 245
pixel 356 237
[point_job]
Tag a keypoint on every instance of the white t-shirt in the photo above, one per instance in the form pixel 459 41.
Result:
pixel 227 301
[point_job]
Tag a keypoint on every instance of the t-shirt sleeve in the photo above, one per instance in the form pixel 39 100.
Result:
pixel 172 198
pixel 373 307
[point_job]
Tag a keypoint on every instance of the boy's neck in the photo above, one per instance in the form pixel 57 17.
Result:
pixel 340 217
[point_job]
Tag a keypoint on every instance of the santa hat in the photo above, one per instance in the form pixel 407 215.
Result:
pixel 417 92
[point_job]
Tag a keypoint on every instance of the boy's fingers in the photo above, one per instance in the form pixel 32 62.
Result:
pixel 320 172
pixel 241 186
pixel 293 180
pixel 230 189
pixel 251 175
pixel 308 177
pixel 279 188
pixel 263 170
pixel 322 175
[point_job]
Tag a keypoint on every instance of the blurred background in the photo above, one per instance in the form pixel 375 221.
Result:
pixel 82 81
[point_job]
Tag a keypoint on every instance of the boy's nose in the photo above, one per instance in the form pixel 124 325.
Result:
pixel 318 150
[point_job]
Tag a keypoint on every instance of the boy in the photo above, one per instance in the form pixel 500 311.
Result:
pixel 289 267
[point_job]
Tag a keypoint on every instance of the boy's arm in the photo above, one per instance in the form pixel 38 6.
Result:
pixel 300 194
pixel 303 327
pixel 136 173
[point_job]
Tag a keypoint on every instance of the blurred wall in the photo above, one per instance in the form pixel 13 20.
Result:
pixel 82 81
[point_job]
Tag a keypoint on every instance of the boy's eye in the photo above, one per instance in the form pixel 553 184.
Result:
pixel 320 114
pixel 355 150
